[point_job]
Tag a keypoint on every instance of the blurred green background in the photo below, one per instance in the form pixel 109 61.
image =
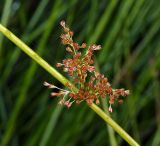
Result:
pixel 129 32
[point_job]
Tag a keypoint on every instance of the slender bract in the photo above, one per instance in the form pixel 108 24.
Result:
pixel 63 80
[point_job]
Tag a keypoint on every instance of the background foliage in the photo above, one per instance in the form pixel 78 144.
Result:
pixel 128 31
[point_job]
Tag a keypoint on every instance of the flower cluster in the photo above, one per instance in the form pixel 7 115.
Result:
pixel 90 84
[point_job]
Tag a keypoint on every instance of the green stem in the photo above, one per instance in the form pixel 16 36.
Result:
pixel 32 54
pixel 114 125
pixel 113 141
pixel 63 80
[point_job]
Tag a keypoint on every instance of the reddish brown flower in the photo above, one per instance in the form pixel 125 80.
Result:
pixel 91 85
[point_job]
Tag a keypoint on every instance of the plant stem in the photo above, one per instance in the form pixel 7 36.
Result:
pixel 32 54
pixel 113 141
pixel 63 80
pixel 114 125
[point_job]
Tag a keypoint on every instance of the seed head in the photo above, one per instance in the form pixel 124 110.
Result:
pixel 91 85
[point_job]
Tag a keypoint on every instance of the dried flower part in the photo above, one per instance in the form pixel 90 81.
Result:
pixel 49 85
pixel 91 85
pixel 71 33
pixel 59 64
pixel 97 101
pixel 110 109
pixel 61 93
pixel 68 104
pixel 62 23
pixel 96 47
pixel 69 49
pixel 84 45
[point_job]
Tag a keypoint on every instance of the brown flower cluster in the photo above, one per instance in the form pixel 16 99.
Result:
pixel 91 84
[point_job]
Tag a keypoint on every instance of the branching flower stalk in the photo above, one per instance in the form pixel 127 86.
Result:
pixel 64 81
pixel 90 84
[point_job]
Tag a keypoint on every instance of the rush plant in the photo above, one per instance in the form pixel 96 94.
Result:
pixel 88 85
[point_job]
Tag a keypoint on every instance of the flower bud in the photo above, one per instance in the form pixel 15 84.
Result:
pixel 69 49
pixel 84 45
pixel 71 33
pixel 127 92
pixel 62 23
pixel 110 109
pixel 59 64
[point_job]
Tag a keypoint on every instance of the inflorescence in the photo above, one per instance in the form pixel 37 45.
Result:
pixel 88 84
